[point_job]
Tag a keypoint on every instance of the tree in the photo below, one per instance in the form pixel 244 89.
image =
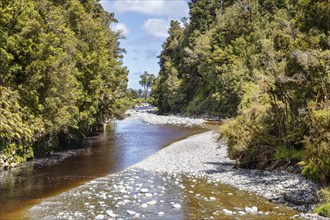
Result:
pixel 146 82
pixel 264 64
pixel 61 81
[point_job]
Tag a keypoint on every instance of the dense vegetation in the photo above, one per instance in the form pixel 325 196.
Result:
pixel 60 74
pixel 266 65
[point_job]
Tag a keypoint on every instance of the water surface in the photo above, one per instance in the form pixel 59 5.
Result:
pixel 121 145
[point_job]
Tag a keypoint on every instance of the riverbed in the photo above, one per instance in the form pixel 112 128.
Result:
pixel 122 144
pixel 143 180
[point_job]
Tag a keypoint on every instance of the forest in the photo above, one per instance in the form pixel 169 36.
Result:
pixel 263 66
pixel 61 75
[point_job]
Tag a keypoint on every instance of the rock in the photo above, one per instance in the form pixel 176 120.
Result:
pixel 253 210
pixel 241 213
pixel 212 198
pixel 144 205
pixel 111 214
pixel 99 217
pixel 144 190
pixel 177 206
pixel 120 203
pixel 301 197
pixel 152 202
pixel 161 213
pixel 148 195
pixel 227 212
pixel 131 212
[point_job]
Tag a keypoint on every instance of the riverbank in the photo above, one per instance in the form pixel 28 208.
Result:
pixel 191 171
pixel 196 159
pixel 146 114
pixel 204 156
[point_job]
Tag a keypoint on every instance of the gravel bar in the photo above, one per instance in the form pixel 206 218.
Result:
pixel 205 155
pixel 145 116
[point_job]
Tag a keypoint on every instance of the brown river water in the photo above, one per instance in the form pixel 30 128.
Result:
pixel 121 145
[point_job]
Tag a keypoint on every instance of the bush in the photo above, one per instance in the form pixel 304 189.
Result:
pixel 323 210
pixel 317 143
pixel 249 139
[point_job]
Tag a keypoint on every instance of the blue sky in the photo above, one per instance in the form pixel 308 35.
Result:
pixel 144 24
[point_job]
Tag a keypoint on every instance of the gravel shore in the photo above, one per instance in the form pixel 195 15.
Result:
pixel 144 114
pixel 204 155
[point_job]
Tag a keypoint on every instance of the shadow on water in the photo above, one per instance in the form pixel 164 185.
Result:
pixel 121 145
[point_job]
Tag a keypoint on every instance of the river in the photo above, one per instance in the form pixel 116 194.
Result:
pixel 123 143
pixel 39 184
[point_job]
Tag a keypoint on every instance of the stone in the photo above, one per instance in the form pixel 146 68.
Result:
pixel 148 195
pixel 144 190
pixel 131 212
pixel 111 214
pixel 144 205
pixel 177 206
pixel 212 198
pixel 252 210
pixel 161 213
pixel 152 202
pixel 99 217
pixel 241 213
pixel 227 212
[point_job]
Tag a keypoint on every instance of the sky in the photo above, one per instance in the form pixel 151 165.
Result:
pixel 144 25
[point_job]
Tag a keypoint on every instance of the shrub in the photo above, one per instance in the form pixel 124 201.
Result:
pixel 317 143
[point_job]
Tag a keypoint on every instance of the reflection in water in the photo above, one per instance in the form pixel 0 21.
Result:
pixel 122 144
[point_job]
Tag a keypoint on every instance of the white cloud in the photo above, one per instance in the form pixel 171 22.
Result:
pixel 156 27
pixel 157 7
pixel 121 28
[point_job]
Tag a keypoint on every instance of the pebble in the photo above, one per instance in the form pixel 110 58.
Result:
pixel 144 190
pixel 152 202
pixel 111 214
pixel 252 210
pixel 99 217
pixel 144 205
pixel 148 195
pixel 131 212
pixel 177 206
pixel 241 213
pixel 227 212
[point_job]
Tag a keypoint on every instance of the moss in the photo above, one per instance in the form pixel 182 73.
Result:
pixel 323 209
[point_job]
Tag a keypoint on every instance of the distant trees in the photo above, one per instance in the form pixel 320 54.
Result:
pixel 146 82
pixel 265 64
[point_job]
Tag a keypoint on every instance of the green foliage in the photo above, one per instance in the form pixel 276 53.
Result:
pixel 147 80
pixel 317 143
pixel 324 208
pixel 63 63
pixel 263 63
